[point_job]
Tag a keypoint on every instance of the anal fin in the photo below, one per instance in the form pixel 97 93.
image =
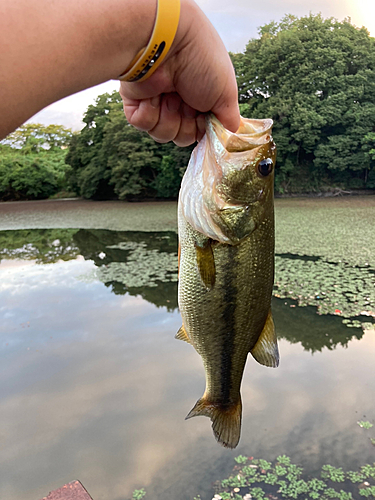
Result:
pixel 182 335
pixel 265 350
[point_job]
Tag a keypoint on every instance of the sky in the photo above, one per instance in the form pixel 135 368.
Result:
pixel 237 21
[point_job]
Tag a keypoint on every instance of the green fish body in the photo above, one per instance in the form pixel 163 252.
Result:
pixel 226 264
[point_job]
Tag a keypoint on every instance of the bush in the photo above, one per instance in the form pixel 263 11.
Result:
pixel 26 177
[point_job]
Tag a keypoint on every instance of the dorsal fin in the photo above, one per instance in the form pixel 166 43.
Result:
pixel 265 350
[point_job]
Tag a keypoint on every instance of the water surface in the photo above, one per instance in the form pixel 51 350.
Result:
pixel 95 387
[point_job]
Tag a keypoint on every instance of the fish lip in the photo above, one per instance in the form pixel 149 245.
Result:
pixel 247 136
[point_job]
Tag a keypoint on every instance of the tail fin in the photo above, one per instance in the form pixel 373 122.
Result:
pixel 226 422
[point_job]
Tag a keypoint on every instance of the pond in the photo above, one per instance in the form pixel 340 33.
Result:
pixel 95 387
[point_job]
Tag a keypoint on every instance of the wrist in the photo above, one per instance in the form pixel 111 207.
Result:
pixel 150 57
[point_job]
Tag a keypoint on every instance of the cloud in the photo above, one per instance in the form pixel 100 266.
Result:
pixel 69 111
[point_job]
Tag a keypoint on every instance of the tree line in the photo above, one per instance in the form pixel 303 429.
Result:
pixel 314 77
pixel 32 162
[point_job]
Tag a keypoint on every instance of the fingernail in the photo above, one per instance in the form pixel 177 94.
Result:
pixel 155 101
pixel 173 103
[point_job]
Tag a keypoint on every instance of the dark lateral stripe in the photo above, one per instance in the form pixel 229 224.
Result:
pixel 230 292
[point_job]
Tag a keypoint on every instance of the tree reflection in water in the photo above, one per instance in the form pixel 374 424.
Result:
pixel 145 264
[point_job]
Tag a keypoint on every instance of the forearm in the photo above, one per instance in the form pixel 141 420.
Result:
pixel 51 49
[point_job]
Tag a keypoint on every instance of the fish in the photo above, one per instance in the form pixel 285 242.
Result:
pixel 226 263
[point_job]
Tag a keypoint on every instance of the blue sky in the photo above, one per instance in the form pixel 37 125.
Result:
pixel 236 21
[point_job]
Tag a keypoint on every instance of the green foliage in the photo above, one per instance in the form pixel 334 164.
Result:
pixel 32 162
pixel 111 159
pixel 138 494
pixel 332 473
pixel 355 477
pixel 168 180
pixel 365 424
pixel 315 77
pixel 284 481
pixel 368 471
pixel 26 177
pixel 294 488
pixel 257 493
pixel 280 470
pixel 34 138
pixel 368 492
pixel 263 464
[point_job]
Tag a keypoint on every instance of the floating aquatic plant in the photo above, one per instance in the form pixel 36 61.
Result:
pixel 333 288
pixel 138 494
pixel 365 424
pixel 281 480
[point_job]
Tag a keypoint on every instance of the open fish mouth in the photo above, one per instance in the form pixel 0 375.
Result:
pixel 250 134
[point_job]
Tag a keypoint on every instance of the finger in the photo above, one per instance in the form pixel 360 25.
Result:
pixel 188 129
pixel 228 115
pixel 160 82
pixel 169 119
pixel 201 126
pixel 144 114
pixel 226 106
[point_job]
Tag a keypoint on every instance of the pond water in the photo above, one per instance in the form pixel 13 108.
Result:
pixel 95 387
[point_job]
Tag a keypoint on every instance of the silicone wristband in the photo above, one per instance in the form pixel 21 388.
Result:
pixel 148 59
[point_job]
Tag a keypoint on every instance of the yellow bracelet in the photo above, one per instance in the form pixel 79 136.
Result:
pixel 148 59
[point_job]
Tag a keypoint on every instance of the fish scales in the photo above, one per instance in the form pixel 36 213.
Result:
pixel 226 265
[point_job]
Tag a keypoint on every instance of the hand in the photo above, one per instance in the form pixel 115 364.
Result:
pixel 196 76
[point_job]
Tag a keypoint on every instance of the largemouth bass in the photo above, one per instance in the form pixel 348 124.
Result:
pixel 226 264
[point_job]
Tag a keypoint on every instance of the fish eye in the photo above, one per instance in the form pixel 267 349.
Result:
pixel 265 167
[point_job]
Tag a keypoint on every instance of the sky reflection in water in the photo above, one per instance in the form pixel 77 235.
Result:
pixel 94 387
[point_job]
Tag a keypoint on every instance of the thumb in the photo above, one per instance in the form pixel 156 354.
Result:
pixel 228 114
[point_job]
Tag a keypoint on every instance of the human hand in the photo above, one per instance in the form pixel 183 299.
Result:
pixel 196 76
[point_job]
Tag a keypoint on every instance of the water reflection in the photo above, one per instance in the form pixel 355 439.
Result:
pixel 145 264
pixel 93 385
pixel 136 263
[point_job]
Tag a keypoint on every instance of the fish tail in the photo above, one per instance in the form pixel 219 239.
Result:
pixel 226 420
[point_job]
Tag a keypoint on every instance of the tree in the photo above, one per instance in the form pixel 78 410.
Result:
pixel 34 138
pixel 32 161
pixel 110 158
pixel 89 173
pixel 316 78
pixel 26 177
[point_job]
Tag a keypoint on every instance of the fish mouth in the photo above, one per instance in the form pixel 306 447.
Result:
pixel 251 134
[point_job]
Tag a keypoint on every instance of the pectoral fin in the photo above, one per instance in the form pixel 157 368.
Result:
pixel 265 350
pixel 206 263
pixel 182 335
